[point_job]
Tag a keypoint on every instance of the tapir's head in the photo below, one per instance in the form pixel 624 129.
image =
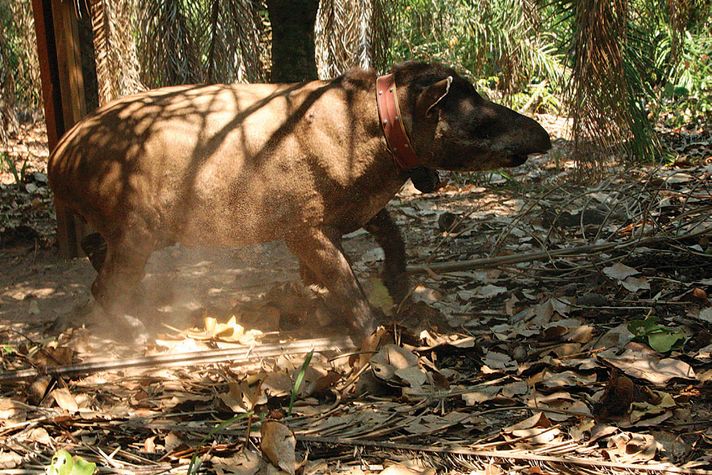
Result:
pixel 454 128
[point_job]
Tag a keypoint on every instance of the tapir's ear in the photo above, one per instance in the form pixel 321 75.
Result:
pixel 432 96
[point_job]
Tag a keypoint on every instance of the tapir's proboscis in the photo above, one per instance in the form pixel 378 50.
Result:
pixel 232 165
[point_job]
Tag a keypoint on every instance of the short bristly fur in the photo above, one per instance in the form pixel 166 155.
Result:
pixel 229 165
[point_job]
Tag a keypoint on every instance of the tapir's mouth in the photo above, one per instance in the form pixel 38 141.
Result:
pixel 517 160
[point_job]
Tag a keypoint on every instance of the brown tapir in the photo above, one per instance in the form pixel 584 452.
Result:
pixel 230 165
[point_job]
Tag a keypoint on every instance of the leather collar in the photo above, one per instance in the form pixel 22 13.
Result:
pixel 392 123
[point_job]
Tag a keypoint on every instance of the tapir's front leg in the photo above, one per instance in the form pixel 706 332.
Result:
pixel 385 230
pixel 319 251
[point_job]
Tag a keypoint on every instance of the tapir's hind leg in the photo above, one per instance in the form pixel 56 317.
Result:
pixel 121 272
pixel 94 246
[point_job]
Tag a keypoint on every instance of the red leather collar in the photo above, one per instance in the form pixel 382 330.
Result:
pixel 392 123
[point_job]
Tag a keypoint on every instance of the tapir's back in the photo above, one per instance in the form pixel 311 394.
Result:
pixel 206 151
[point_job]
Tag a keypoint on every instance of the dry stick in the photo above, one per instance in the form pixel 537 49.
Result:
pixel 502 454
pixel 535 256
pixel 234 355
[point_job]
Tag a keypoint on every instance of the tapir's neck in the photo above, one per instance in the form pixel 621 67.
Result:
pixel 367 176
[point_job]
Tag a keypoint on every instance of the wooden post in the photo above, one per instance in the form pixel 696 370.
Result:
pixel 58 47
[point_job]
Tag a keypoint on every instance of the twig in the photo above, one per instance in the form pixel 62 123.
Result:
pixel 535 256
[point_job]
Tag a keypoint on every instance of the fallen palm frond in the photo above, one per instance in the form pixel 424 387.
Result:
pixel 507 456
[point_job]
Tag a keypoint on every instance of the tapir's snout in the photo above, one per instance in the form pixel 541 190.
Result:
pixel 522 136
pixel 540 140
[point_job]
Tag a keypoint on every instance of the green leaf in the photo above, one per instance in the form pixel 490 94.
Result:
pixel 298 381
pixel 63 463
pixel 659 337
pixel 664 342
pixel 644 327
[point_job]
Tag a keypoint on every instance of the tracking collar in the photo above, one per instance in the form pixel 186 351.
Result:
pixel 392 124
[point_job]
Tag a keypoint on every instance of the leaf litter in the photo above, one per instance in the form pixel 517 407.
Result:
pixel 553 327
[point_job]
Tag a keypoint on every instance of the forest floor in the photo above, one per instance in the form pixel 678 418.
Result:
pixel 553 327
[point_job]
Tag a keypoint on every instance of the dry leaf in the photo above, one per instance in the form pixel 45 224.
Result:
pixel 619 271
pixel 65 400
pixel 501 361
pixel 241 397
pixel 706 315
pixel 488 291
pixel 629 447
pixel 635 284
pixel 241 463
pixel 391 358
pixel 480 395
pixel 12 411
pixel 539 419
pixel 172 441
pixel 403 470
pixel 9 459
pixel 643 410
pixel 278 445
pixel 425 294
pixel 646 366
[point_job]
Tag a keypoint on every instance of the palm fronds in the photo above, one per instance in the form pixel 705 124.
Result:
pixel 352 33
pixel 235 42
pixel 117 67
pixel 606 91
pixel 169 42
pixel 193 41
pixel 502 43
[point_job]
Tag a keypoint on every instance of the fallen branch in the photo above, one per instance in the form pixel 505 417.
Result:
pixel 489 262
pixel 233 355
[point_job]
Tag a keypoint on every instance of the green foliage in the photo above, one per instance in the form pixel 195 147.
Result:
pixel 686 96
pixel 19 69
pixel 502 41
pixel 660 338
pixel 10 165
pixel 298 381
pixel 63 463
pixel 618 67
pixel 614 66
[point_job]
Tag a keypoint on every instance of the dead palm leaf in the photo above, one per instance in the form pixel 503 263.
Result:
pixel 117 67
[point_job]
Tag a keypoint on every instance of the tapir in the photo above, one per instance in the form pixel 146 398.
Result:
pixel 232 165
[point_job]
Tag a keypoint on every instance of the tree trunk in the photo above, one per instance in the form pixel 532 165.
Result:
pixel 293 39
